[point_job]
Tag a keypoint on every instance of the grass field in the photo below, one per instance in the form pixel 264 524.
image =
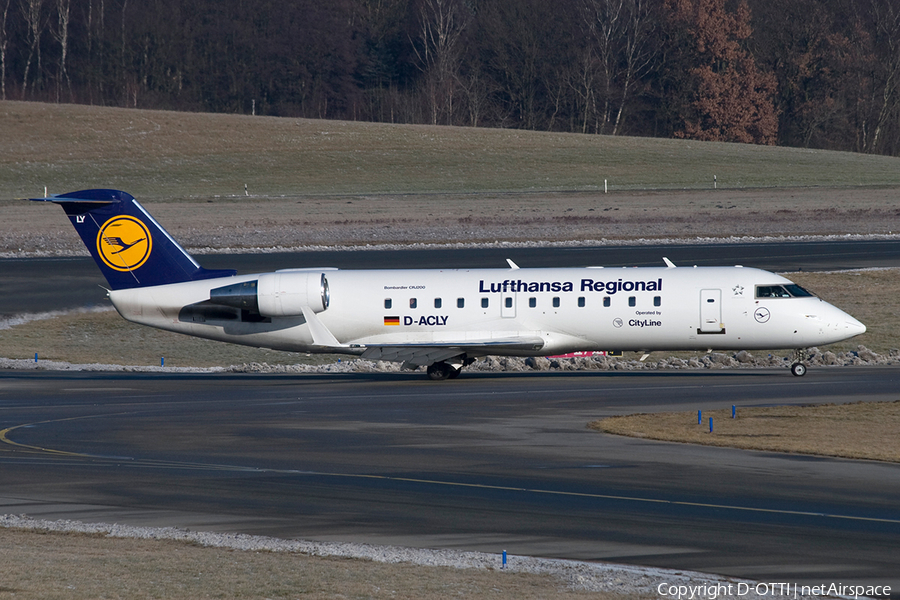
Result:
pixel 170 155
pixel 50 566
pixel 313 182
pixel 861 430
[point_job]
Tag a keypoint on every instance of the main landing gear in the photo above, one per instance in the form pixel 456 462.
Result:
pixel 798 367
pixel 451 369
pixel 441 370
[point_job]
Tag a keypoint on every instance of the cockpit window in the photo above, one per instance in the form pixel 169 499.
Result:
pixel 771 291
pixel 791 290
pixel 797 291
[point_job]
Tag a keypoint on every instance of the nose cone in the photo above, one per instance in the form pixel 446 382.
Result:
pixel 854 327
pixel 844 326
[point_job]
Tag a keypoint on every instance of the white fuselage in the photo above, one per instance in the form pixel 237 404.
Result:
pixel 567 310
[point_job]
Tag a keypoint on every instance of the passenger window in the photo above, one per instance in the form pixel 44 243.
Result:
pixel 556 302
pixel 387 302
pixel 632 301
pixel 581 302
pixel 657 300
pixel 460 303
pixel 437 302
pixel 606 301
pixel 532 302
pixel 508 302
pixel 412 302
pixel 484 303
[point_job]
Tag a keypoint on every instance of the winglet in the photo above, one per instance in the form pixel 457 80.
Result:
pixel 669 263
pixel 512 265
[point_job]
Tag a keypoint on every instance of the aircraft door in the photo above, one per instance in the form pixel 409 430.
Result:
pixel 508 305
pixel 711 311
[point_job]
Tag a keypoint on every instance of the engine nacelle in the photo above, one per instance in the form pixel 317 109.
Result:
pixel 279 294
pixel 285 294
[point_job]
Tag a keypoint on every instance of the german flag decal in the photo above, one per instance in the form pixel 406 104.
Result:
pixel 391 321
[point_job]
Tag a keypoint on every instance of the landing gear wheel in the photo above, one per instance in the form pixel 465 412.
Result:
pixel 440 371
pixel 798 369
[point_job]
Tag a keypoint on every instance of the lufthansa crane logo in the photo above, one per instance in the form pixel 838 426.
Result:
pixel 124 243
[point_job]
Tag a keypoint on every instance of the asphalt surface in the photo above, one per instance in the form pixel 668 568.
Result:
pixel 487 462
pixel 35 283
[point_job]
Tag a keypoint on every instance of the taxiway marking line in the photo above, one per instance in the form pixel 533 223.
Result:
pixel 622 498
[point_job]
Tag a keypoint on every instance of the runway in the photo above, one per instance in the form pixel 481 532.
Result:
pixel 489 462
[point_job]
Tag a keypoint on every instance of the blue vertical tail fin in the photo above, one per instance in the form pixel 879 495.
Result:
pixel 130 247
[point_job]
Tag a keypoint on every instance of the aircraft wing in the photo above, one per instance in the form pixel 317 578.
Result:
pixel 426 353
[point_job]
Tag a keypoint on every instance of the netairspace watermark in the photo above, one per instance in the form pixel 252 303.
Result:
pixel 711 591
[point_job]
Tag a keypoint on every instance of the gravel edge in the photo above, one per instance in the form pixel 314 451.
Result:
pixel 862 356
pixel 80 251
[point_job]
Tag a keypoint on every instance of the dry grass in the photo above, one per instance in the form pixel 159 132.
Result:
pixel 326 182
pixel 175 155
pixel 48 566
pixel 106 338
pixel 864 430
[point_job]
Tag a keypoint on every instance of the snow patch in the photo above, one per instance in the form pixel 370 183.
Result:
pixel 576 575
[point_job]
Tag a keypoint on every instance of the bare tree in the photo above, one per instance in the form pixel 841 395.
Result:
pixel 442 25
pixel 474 86
pixel 584 79
pixel 31 10
pixel 604 22
pixel 514 40
pixel 90 26
pixel 620 32
pixel 638 50
pixel 127 89
pixel 887 19
pixel 4 40
pixel 61 34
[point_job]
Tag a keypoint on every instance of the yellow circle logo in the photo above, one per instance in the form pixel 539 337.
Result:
pixel 124 243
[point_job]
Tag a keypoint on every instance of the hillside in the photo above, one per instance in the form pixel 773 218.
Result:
pixel 328 182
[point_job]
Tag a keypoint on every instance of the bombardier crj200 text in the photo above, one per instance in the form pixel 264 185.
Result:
pixel 443 319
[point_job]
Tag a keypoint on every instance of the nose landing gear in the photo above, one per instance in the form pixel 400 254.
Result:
pixel 798 367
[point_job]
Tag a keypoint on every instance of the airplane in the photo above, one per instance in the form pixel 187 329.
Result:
pixel 443 319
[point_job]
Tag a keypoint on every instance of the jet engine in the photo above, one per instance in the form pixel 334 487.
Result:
pixel 279 294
